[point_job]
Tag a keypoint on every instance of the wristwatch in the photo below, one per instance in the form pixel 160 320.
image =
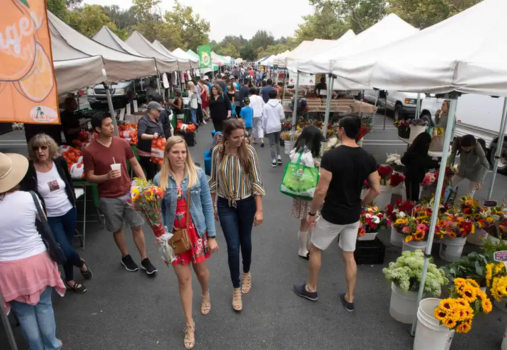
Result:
pixel 310 214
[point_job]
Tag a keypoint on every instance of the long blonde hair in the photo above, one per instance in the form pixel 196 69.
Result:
pixel 191 87
pixel 190 168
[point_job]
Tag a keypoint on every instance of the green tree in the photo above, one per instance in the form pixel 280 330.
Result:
pixel 228 50
pixel 262 39
pixel 423 14
pixel 58 8
pixel 327 22
pixel 149 18
pixel 247 53
pixel 361 14
pixel 123 19
pixel 272 50
pixel 89 20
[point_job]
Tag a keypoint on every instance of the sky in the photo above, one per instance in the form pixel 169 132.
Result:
pixel 239 17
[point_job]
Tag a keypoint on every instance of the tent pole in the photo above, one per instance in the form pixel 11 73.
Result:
pixel 7 326
pixel 438 194
pixel 284 88
pixel 295 109
pixel 328 103
pixel 158 83
pixel 499 148
pixel 418 106
pixel 111 109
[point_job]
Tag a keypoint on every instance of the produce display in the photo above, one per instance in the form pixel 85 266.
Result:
pixel 128 132
pixel 182 127
pixel 157 150
pixel 74 158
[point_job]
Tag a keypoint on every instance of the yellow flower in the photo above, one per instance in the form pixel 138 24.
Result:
pixel 449 322
pixel 489 274
pixel 464 327
pixel 460 281
pixel 440 313
pixel 469 293
pixel 135 194
pixel 498 268
pixel 473 283
pixel 408 239
pixel 448 304
pixel 486 306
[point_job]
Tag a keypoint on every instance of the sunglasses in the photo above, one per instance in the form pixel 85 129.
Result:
pixel 36 148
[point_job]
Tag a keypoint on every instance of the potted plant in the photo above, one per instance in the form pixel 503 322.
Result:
pixel 405 277
pixel 371 221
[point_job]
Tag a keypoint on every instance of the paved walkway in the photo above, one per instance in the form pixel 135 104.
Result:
pixel 124 310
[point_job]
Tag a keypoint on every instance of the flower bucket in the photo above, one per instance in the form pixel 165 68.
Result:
pixel 403 306
pixel 400 191
pixel 451 249
pixel 415 130
pixel 413 246
pixel 384 198
pixel 368 236
pixel 502 305
pixel 288 146
pixel 396 238
pixel 475 239
pixel 429 334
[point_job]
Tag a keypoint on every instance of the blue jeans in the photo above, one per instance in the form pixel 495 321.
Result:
pixel 38 322
pixel 193 115
pixel 64 228
pixel 237 226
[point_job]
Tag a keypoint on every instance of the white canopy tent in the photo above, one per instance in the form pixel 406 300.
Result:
pixel 143 46
pixel 280 59
pixel 183 55
pixel 106 37
pixel 75 74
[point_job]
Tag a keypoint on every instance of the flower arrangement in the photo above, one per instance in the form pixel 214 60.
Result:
pixel 363 131
pixel 401 123
pixel 465 226
pixel 472 266
pixel 418 122
pixel 385 172
pixel 394 161
pixel 396 179
pixel 400 210
pixel 285 135
pixel 469 206
pixel 429 179
pixel 372 220
pixel 406 274
pixel 466 301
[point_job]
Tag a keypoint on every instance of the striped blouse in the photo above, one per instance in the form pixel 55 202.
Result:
pixel 234 183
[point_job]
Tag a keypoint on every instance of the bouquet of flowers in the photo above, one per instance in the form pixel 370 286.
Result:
pixel 466 300
pixel 418 122
pixel 496 279
pixel 372 220
pixel 464 226
pixel 396 179
pixel 385 172
pixel 147 199
pixel 401 123
pixel 445 227
pixel 394 161
pixel 400 210
pixel 469 206
pixel 429 179
pixel 411 229
pixel 363 131
pixel 406 274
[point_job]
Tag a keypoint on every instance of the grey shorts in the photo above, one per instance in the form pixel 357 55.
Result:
pixel 116 211
pixel 325 232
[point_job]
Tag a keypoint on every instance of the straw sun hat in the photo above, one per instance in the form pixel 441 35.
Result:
pixel 13 168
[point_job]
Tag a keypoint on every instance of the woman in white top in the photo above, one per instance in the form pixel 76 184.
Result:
pixel 48 176
pixel 192 100
pixel 27 273
pixel 307 146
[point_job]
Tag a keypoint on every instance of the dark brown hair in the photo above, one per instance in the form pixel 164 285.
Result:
pixel 244 155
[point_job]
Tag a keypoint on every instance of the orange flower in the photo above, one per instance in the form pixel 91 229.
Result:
pixel 419 235
pixel 409 239
pixel 361 232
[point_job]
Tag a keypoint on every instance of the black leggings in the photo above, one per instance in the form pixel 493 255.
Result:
pixel 150 168
pixel 218 124
pixel 199 114
pixel 412 187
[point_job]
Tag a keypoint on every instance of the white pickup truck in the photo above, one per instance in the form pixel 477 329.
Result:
pixel 401 104
pixel 476 115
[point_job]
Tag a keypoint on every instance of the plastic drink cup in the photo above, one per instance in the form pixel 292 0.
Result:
pixel 116 166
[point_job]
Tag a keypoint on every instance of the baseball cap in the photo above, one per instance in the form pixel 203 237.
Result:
pixel 155 105
pixel 205 77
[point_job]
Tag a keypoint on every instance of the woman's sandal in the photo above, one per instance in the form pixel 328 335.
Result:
pixel 237 302
pixel 206 304
pixel 246 283
pixel 88 274
pixel 77 287
pixel 189 340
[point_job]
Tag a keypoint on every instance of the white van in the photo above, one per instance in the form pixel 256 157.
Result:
pixel 402 104
pixel 477 115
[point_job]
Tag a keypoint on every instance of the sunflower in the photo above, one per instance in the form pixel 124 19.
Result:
pixel 440 314
pixel 489 274
pixel 482 295
pixel 409 238
pixel 461 302
pixel 419 235
pixel 459 281
pixel 472 283
pixel 498 268
pixel 401 222
pixel 449 322
pixel 469 293
pixel 486 306
pixel 464 327
pixel 135 194
pixel 490 220
pixel 448 304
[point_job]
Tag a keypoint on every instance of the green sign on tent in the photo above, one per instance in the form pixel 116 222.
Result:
pixel 204 56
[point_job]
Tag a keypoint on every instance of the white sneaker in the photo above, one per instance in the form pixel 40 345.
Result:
pixel 273 164
pixel 204 121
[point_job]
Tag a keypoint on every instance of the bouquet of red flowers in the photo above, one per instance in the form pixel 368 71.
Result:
pixel 384 171
pixel 365 129
pixel 396 179
pixel 372 220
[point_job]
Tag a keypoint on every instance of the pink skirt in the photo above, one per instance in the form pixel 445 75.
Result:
pixel 24 280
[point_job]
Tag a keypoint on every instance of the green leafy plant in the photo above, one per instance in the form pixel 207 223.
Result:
pixel 491 247
pixel 472 266
pixel 406 274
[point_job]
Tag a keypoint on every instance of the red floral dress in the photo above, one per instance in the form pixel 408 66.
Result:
pixel 199 251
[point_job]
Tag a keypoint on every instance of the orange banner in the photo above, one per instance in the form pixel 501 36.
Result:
pixel 27 78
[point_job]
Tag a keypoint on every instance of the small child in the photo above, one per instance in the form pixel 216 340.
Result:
pixel 246 114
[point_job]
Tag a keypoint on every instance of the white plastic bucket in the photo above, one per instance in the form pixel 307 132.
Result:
pixel 429 334
pixel 403 306
pixel 384 198
pixel 396 238
pixel 400 191
pixel 287 146
pixel 451 249
pixel 475 239
pixel 413 246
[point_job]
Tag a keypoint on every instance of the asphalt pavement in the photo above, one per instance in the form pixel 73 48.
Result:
pixel 124 310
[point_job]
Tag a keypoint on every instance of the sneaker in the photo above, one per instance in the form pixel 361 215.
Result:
pixel 348 306
pixel 129 264
pixel 148 267
pixel 273 164
pixel 279 161
pixel 204 122
pixel 300 290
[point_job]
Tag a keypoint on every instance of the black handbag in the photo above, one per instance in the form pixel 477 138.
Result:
pixel 54 249
pixel 404 132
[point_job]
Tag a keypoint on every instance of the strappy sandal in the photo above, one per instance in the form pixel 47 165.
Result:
pixel 206 304
pixel 237 302
pixel 88 274
pixel 246 283
pixel 77 287
pixel 189 341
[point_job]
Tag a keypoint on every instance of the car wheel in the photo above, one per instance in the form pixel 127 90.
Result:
pixel 502 162
pixel 427 117
pixel 398 112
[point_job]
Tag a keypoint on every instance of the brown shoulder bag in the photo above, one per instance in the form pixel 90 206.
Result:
pixel 180 241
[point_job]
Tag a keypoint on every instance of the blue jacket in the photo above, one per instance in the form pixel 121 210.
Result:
pixel 201 209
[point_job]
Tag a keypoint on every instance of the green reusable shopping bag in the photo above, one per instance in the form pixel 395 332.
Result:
pixel 299 181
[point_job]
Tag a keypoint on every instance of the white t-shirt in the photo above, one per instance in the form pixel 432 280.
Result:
pixel 52 188
pixel 257 104
pixel 192 97
pixel 306 158
pixel 19 238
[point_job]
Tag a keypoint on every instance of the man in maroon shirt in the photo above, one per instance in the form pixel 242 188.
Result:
pixel 100 158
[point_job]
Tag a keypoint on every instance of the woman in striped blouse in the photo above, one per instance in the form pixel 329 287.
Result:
pixel 236 179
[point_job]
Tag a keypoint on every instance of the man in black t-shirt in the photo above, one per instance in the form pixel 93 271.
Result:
pixel 343 172
pixel 322 86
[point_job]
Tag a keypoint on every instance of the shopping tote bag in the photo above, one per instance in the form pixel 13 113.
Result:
pixel 299 181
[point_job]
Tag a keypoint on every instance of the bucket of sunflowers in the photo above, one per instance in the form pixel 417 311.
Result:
pixel 372 220
pixel 438 319
pixel 496 280
pixel 455 230
pixel 399 211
